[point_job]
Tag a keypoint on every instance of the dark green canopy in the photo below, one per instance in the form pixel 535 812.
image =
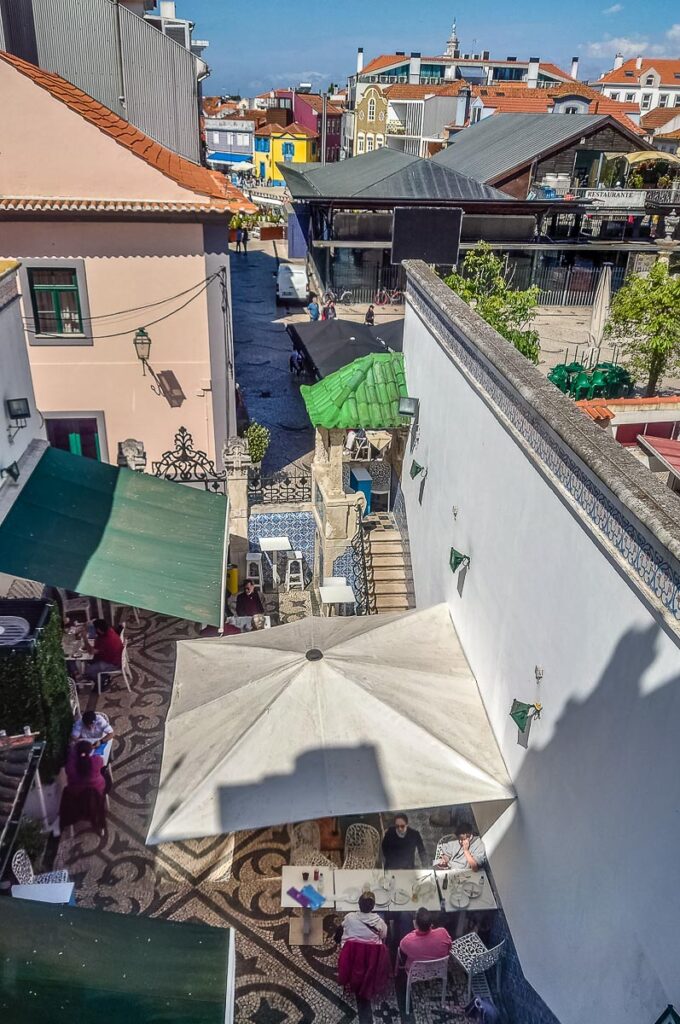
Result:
pixel 122 536
pixel 65 965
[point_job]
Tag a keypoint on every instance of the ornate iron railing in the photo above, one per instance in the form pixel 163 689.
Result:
pixel 363 569
pixel 188 465
pixel 289 486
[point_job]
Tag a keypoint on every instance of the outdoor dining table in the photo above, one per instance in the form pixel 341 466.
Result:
pixel 411 889
pixel 306 930
pixel 273 546
pixel 44 892
pixel 336 594
pixel 72 645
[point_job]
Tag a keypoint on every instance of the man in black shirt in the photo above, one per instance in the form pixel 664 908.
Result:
pixel 400 843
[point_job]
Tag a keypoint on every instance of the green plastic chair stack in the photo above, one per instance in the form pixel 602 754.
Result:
pixel 580 386
pixel 559 376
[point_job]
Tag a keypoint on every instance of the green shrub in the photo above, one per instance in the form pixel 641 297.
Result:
pixel 258 438
pixel 34 691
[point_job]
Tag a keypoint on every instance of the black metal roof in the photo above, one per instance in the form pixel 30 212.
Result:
pixel 331 344
pixel 386 174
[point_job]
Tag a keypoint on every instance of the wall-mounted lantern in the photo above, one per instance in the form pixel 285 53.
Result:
pixel 416 470
pixel 12 471
pixel 456 559
pixel 18 411
pixel 408 406
pixel 142 343
pixel 522 714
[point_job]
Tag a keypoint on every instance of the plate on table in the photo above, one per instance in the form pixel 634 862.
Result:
pixel 351 895
pixel 401 898
pixel 472 889
pixel 459 899
pixel 382 897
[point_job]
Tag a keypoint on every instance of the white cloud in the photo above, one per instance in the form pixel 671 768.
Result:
pixel 614 9
pixel 633 46
pixel 673 34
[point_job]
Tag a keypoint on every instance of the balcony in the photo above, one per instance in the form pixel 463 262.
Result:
pixel 627 198
pixel 396 128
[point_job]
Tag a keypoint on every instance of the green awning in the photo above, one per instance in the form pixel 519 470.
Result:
pixel 365 393
pixel 67 965
pixel 118 535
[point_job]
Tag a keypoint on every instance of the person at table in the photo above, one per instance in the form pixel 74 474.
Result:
pixel 93 727
pixel 465 853
pixel 400 843
pixel 84 796
pixel 249 602
pixel 106 647
pixel 424 942
pixel 364 925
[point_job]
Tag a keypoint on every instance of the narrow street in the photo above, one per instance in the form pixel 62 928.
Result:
pixel 262 348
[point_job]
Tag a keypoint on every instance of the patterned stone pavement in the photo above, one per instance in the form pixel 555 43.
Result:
pixel 230 880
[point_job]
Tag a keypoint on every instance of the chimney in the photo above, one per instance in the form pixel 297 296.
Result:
pixel 511 60
pixel 638 63
pixel 414 70
pixel 574 67
pixel 486 54
pixel 463 106
pixel 360 60
pixel 618 61
pixel 167 9
pixel 532 72
pixel 401 53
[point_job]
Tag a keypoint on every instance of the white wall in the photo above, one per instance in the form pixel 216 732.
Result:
pixel 15 375
pixel 587 860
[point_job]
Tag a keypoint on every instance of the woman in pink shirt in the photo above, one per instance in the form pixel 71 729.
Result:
pixel 424 942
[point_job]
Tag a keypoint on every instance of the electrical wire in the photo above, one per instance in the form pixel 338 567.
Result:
pixel 150 323
pixel 149 305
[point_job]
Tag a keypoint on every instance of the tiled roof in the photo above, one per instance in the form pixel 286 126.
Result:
pixel 520 99
pixel 419 92
pixel 666 69
pixel 658 117
pixel 668 135
pixel 606 408
pixel 295 128
pixel 8 267
pixel 42 204
pixel 363 394
pixel 554 69
pixel 385 60
pixel 223 196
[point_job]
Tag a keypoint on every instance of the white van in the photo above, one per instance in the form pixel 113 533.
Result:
pixel 291 283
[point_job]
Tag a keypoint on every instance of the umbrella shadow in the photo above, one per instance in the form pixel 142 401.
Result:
pixel 324 782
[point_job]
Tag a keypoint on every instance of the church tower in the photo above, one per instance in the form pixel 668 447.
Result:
pixel 452 44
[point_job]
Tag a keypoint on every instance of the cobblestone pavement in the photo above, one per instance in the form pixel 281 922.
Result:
pixel 262 349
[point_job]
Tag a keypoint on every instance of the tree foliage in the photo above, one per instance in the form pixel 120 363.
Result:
pixel 645 318
pixel 258 438
pixel 482 284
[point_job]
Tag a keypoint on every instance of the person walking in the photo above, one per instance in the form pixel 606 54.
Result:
pixel 244 240
pixel 313 308
pixel 370 316
pixel 239 238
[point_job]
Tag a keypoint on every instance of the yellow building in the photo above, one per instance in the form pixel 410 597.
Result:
pixel 370 119
pixel 275 145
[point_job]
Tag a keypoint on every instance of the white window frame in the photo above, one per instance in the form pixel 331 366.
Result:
pixel 663 99
pixel 677 100
pixel 645 101
pixel 371 109
pixel 370 142
pixel 630 97
pixel 615 95
pixel 379 141
pixel 361 143
pixel 649 81
pixel 216 138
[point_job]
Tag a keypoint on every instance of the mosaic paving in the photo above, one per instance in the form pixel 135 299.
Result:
pixel 230 880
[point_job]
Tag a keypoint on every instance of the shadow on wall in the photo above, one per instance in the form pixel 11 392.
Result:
pixel 597 822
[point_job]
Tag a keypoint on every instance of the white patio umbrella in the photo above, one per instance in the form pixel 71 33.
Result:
pixel 324 716
pixel 601 304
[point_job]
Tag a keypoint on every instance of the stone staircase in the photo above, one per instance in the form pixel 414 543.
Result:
pixel 386 564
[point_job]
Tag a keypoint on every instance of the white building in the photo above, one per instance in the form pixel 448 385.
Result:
pixel 571 599
pixel 648 81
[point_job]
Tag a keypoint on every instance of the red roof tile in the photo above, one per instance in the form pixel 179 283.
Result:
pixel 385 60
pixel 183 172
pixel 419 92
pixel 295 129
pixel 666 69
pixel 658 117
pixel 555 70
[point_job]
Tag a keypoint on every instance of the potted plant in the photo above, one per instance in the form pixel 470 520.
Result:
pixel 258 438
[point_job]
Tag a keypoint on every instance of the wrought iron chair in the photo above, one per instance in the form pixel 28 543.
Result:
pixel 23 871
pixel 450 837
pixel 470 953
pixel 305 845
pixel 362 843
pixel 73 698
pixel 25 588
pixel 424 970
pixel 71 605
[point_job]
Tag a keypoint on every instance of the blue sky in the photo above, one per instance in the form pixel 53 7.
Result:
pixel 257 45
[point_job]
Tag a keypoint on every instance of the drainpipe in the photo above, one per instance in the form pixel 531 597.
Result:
pixel 324 121
pixel 122 98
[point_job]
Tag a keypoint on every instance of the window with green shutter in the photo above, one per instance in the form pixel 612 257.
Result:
pixel 55 299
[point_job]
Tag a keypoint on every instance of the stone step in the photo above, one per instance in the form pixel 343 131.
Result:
pixel 391 603
pixel 384 536
pixel 381 572
pixel 388 561
pixel 391 548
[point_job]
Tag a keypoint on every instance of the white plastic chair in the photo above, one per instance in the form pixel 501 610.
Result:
pixel 23 871
pixel 362 843
pixel 69 605
pixel 425 970
pixel 470 953
pixel 294 574
pixel 123 671
pixel 254 568
pixel 73 698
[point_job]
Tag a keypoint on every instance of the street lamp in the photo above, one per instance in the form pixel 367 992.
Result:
pixel 142 343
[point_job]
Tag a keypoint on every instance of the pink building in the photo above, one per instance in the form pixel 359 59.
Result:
pixel 115 233
pixel 308 110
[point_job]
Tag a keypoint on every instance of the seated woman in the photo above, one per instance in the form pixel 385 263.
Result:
pixel 465 853
pixel 364 925
pixel 85 794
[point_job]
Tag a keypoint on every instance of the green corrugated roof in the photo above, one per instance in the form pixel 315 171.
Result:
pixel 363 394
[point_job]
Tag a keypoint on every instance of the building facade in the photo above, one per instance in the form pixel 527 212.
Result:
pixel 650 82
pixel 274 145
pixel 116 56
pixel 368 122
pixel 116 234
pixel 230 140
pixel 581 614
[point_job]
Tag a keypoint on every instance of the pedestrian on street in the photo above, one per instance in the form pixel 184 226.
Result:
pixel 313 308
pixel 370 316
pixel 239 239
pixel 330 312
pixel 244 240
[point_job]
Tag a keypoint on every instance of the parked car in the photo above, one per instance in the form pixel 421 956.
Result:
pixel 291 283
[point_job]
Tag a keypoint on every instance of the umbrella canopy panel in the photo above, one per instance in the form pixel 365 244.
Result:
pixel 323 717
pixel 118 535
pixel 332 344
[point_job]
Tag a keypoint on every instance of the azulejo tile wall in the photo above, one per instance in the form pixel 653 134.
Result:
pixel 298 527
pixel 345 565
pixel 647 563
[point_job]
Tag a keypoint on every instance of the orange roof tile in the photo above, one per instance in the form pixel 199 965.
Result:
pixel 384 61
pixel 223 196
pixel 658 117
pixel 295 128
pixel 669 135
pixel 666 69
pixel 554 69
pixel 601 408
pixel 419 92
